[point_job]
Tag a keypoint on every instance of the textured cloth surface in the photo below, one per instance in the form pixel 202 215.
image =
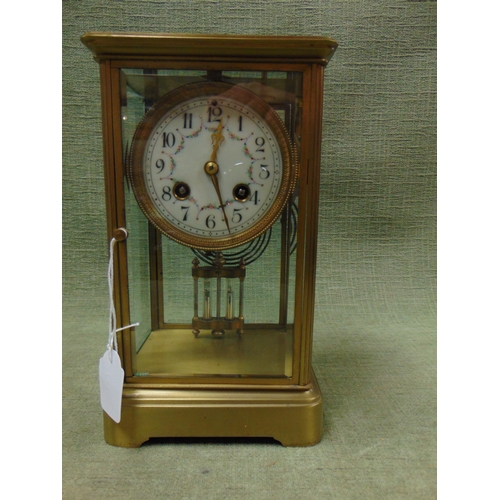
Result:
pixel 374 337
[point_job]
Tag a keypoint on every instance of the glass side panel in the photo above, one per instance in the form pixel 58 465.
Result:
pixel 138 261
pixel 204 313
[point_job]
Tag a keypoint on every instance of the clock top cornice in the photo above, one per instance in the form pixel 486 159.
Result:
pixel 313 49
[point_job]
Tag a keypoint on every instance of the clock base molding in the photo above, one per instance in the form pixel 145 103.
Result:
pixel 292 417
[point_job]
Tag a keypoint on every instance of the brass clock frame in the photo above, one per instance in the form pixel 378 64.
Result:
pixel 286 409
pixel 201 90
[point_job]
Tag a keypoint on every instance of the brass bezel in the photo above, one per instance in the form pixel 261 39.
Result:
pixel 135 168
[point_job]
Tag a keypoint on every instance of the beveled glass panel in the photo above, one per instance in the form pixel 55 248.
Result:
pixel 198 317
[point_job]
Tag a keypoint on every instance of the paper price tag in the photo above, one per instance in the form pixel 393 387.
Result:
pixel 111 376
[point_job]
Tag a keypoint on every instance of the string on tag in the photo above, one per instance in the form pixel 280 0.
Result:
pixel 112 341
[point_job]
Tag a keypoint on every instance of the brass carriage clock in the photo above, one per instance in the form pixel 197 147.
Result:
pixel 212 158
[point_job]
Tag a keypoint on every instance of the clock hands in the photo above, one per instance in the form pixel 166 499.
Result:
pixel 217 140
pixel 211 168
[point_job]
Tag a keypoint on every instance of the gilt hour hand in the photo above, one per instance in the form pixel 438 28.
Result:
pixel 217 140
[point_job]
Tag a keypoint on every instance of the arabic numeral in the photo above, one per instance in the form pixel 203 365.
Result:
pixel 214 114
pixel 160 165
pixel 260 141
pixel 167 193
pixel 255 198
pixel 237 217
pixel 264 173
pixel 188 120
pixel 184 219
pixel 168 140
pixel 210 221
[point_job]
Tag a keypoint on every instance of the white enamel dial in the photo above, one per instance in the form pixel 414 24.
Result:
pixel 212 168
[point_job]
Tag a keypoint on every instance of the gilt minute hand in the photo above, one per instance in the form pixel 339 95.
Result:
pixel 216 185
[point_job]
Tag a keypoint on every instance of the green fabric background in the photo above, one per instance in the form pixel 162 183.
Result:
pixel 374 338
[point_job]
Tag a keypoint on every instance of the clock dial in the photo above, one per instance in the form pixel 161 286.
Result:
pixel 211 165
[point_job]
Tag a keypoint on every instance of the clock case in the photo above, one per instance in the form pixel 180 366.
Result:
pixel 258 382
